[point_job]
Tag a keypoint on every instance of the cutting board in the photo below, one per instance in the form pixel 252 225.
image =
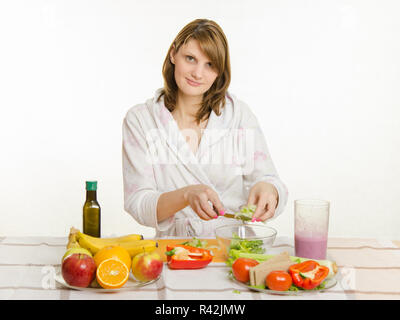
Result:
pixel 216 250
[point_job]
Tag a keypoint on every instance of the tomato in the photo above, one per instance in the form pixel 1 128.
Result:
pixel 278 280
pixel 240 268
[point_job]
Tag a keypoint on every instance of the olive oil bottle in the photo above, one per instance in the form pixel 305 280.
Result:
pixel 91 211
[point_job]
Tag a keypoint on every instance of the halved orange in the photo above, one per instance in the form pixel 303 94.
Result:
pixel 112 274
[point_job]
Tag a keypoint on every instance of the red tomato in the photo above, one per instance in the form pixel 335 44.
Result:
pixel 278 280
pixel 240 268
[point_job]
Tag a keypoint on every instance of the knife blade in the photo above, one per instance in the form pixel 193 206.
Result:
pixel 231 215
pixel 228 215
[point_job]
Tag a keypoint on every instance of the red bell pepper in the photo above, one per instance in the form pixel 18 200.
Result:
pixel 308 274
pixel 180 256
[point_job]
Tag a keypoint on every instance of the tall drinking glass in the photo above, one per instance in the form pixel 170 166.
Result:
pixel 311 224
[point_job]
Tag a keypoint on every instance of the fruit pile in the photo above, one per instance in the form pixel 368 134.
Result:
pixel 107 262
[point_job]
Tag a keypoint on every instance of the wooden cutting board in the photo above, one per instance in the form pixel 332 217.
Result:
pixel 216 250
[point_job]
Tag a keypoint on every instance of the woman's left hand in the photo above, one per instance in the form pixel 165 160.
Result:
pixel 266 197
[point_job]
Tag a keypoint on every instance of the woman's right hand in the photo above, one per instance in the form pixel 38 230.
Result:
pixel 198 197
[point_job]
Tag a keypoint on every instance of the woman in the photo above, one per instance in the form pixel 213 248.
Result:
pixel 194 151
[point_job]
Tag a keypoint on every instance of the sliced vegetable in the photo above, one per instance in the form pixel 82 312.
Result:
pixel 308 274
pixel 197 243
pixel 235 254
pixel 246 212
pixel 292 287
pixel 180 256
pixel 258 273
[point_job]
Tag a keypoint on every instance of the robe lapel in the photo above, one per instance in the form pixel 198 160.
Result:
pixel 169 131
pixel 217 128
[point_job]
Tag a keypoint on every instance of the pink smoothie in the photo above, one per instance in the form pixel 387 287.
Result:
pixel 310 247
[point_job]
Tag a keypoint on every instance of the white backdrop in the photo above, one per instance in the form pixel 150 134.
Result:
pixel 322 76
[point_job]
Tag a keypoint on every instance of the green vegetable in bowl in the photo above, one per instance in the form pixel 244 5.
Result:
pixel 244 246
pixel 250 246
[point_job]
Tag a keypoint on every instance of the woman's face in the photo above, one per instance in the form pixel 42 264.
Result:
pixel 194 73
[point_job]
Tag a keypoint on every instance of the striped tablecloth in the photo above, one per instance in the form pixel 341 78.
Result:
pixel 368 269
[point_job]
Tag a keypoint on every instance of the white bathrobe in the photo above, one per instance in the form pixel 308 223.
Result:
pixel 231 158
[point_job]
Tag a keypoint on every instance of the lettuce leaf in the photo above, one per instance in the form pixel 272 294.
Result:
pixel 239 245
pixel 195 242
pixel 246 212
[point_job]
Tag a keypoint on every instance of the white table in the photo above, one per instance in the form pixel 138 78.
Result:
pixel 368 269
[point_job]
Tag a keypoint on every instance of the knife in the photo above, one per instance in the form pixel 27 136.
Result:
pixel 231 216
pixel 227 215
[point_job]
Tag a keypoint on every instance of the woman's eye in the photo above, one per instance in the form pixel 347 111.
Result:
pixel 189 58
pixel 209 64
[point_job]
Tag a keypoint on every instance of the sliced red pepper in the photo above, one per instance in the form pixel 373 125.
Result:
pixel 308 274
pixel 200 258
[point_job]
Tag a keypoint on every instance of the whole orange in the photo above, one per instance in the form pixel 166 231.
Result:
pixel 113 252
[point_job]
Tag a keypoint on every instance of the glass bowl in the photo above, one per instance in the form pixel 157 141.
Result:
pixel 228 233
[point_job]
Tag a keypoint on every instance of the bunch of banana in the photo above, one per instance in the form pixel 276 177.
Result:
pixel 134 243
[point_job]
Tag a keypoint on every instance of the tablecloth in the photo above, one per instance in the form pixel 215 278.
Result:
pixel 368 269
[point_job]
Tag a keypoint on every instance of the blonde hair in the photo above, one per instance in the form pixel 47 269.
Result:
pixel 213 42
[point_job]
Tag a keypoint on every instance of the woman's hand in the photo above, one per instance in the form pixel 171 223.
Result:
pixel 198 197
pixel 265 196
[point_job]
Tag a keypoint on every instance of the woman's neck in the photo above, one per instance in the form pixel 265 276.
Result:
pixel 187 107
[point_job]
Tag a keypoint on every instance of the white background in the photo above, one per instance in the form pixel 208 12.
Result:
pixel 323 77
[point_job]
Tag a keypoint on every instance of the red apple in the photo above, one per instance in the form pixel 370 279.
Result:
pixel 78 270
pixel 147 266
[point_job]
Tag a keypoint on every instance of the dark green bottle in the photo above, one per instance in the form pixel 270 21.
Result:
pixel 91 211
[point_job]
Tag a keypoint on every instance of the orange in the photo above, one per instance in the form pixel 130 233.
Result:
pixel 115 252
pixel 112 274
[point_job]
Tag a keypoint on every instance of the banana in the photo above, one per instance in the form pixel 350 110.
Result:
pixel 133 246
pixel 76 234
pixel 134 243
pixel 73 245
pixel 72 239
pixel 127 238
pixel 142 246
